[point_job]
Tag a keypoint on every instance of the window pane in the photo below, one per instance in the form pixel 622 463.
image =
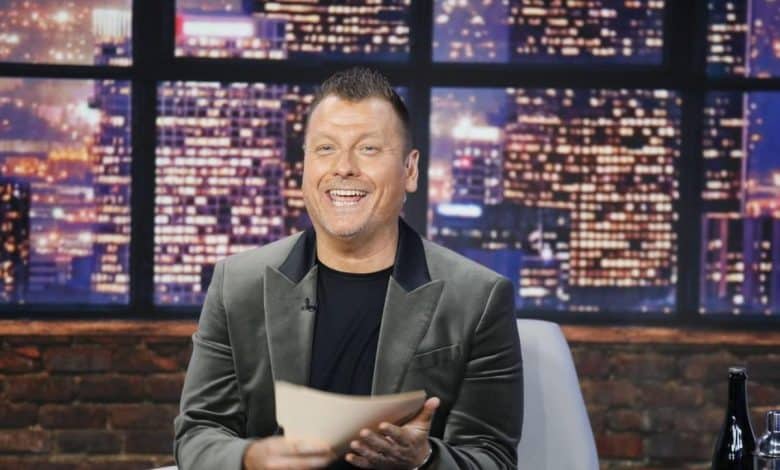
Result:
pixel 229 168
pixel 545 32
pixel 743 38
pixel 66 32
pixel 568 193
pixel 64 191
pixel 293 29
pixel 741 224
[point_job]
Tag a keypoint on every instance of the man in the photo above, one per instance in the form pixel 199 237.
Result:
pixel 359 304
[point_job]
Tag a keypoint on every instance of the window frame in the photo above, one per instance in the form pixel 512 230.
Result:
pixel 684 71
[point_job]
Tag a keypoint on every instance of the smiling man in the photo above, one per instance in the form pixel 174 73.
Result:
pixel 359 304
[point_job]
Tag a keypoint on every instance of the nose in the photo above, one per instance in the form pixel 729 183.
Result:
pixel 345 164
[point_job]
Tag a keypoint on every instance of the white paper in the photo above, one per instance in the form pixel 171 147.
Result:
pixel 336 419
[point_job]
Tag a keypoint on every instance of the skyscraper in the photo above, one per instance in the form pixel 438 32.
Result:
pixel 111 152
pixel 608 158
pixel 14 239
pixel 219 179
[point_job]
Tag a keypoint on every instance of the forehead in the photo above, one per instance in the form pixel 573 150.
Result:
pixel 337 115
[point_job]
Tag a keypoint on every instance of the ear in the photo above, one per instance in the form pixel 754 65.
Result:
pixel 411 171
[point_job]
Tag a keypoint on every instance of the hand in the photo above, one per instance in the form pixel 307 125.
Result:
pixel 395 447
pixel 279 452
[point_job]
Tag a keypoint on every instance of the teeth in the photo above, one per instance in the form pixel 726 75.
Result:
pixel 346 193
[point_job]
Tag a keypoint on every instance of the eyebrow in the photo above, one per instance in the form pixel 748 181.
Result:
pixel 332 137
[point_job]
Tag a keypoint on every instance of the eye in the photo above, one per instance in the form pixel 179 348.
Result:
pixel 324 149
pixel 369 149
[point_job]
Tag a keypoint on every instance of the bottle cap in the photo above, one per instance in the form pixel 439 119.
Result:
pixel 738 372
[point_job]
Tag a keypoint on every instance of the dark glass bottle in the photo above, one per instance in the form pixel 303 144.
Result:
pixel 736 442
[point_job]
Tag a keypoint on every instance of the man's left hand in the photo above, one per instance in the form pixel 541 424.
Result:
pixel 395 447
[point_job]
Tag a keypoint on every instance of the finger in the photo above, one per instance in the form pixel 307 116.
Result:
pixel 357 460
pixel 425 416
pixel 369 453
pixel 396 433
pixel 377 442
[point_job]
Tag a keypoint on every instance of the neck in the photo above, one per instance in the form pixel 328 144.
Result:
pixel 356 255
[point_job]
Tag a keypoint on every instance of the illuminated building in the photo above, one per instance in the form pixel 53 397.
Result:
pixel 548 31
pixel 727 37
pixel 600 30
pixel 14 239
pixel 219 179
pixel 740 259
pixel 608 158
pixel 723 149
pixel 378 29
pixel 743 38
pixel 112 152
pixel 471 31
pixel 229 36
pixel 722 271
pixel 477 163
pixel 52 31
pixel 764 49
pixel 296 104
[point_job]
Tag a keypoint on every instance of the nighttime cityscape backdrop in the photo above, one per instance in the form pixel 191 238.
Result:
pixel 570 193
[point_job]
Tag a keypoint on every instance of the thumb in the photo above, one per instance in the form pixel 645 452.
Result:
pixel 425 416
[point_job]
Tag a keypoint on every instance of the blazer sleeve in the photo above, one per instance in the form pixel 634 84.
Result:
pixel 212 419
pixel 483 428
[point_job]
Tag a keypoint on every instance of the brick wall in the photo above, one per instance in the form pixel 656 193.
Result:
pixel 81 395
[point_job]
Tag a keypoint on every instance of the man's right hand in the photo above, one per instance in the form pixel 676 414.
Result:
pixel 279 452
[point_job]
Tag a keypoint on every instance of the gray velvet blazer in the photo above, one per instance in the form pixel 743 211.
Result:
pixel 448 327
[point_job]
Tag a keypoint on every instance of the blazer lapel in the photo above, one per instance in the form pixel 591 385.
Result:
pixel 409 305
pixel 288 291
pixel 405 320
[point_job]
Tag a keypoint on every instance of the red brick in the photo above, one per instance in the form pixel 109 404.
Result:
pixel 78 359
pixel 591 363
pixel 165 388
pixel 764 394
pixel 108 340
pixel 125 463
pixel 624 445
pixel 644 366
pixel 672 419
pixel 681 446
pixel 143 360
pixel 24 441
pixel 18 415
pixel 31 352
pixel 26 340
pixel 627 420
pixel 34 463
pixel 149 442
pixel 763 368
pixel 142 416
pixel 111 388
pixel 673 394
pixel 89 441
pixel 72 416
pixel 41 389
pixel 610 392
pixel 709 367
pixel 13 362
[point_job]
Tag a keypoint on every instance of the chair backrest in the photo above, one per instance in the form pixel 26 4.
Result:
pixel 556 429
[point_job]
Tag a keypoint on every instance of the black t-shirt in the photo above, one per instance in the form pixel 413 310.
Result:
pixel 346 329
pixel 346 332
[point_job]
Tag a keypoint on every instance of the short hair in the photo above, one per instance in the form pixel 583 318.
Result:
pixel 359 83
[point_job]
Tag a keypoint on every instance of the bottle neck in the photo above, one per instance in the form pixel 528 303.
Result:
pixel 738 397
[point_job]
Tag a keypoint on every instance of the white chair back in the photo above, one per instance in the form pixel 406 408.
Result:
pixel 556 429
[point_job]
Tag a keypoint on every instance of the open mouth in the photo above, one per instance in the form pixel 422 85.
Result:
pixel 346 197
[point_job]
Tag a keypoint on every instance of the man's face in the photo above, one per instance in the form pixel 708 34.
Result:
pixel 355 173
